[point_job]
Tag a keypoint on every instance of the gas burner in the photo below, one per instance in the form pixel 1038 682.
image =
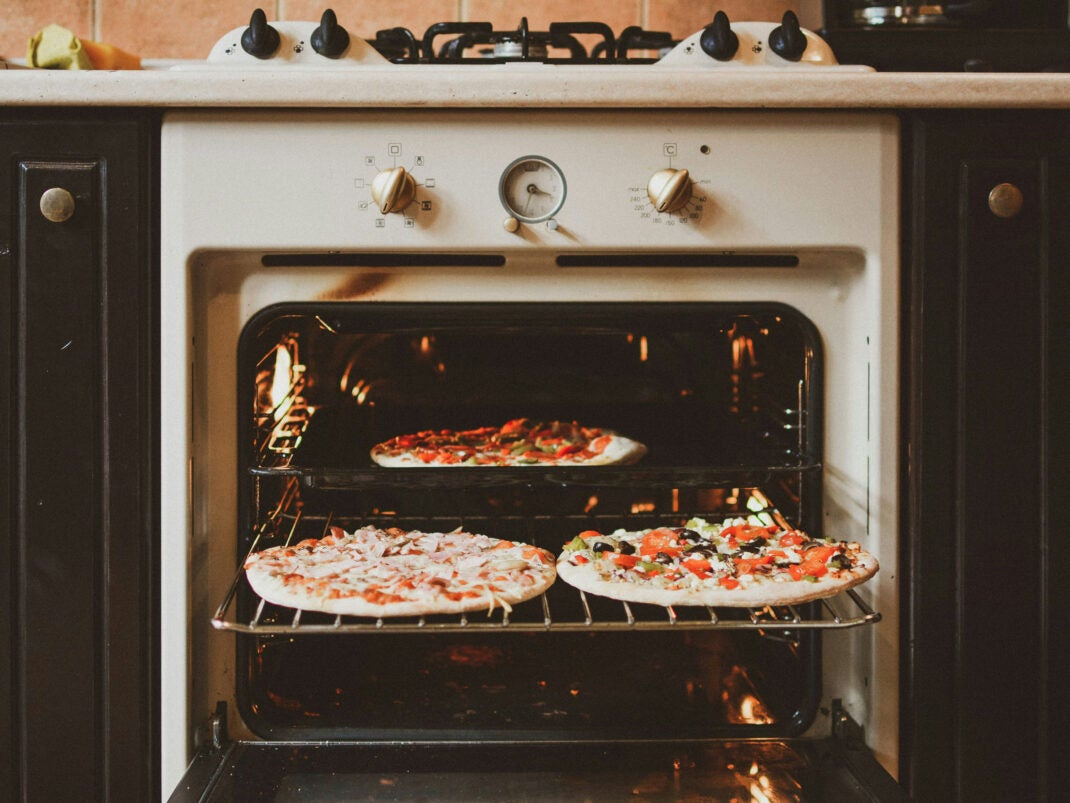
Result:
pixel 523 44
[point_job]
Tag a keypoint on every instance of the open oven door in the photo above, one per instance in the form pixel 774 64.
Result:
pixel 839 767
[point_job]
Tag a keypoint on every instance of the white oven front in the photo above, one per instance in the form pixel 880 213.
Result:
pixel 521 207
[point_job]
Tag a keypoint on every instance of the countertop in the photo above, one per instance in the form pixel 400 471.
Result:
pixel 531 85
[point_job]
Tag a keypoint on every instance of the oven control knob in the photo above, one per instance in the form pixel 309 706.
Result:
pixel 718 40
pixel 787 40
pixel 260 39
pixel 393 190
pixel 669 190
pixel 330 39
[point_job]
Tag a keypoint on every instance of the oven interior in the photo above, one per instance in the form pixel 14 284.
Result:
pixel 728 399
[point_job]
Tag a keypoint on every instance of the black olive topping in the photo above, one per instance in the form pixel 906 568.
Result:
pixel 602 546
pixel 662 557
pixel 839 561
pixel 755 543
pixel 684 534
pixel 626 548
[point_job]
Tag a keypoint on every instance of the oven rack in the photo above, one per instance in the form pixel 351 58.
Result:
pixel 593 614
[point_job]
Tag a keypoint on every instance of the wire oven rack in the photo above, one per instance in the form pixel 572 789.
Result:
pixel 557 609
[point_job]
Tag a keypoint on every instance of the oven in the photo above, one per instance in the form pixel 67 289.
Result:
pixel 330 279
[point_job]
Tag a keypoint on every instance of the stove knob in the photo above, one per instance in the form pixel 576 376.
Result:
pixel 260 39
pixel 330 39
pixel 718 40
pixel 787 39
pixel 393 190
pixel 669 189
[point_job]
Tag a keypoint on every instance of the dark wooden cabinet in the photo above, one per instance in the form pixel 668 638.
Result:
pixel 986 358
pixel 77 456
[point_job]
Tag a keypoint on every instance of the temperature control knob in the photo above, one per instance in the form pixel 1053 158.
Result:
pixel 260 39
pixel 330 39
pixel 393 190
pixel 669 190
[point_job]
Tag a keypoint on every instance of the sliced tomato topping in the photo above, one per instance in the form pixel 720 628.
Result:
pixel 746 565
pixel 729 582
pixel 625 561
pixel 656 541
pixel 792 539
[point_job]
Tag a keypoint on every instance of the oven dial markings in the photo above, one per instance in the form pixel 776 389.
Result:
pixel 394 189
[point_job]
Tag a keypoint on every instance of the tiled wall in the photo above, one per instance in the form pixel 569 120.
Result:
pixel 188 28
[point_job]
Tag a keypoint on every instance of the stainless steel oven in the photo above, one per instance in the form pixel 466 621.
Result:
pixel 329 279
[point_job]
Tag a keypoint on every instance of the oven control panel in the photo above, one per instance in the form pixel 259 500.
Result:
pixel 496 180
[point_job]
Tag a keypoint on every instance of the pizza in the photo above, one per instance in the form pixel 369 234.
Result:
pixel 737 563
pixel 520 442
pixel 394 572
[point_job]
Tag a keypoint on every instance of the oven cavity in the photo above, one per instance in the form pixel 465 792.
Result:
pixel 727 398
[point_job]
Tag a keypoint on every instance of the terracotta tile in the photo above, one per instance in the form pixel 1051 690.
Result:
pixel 683 17
pixel 505 14
pixel 188 29
pixel 365 17
pixel 21 19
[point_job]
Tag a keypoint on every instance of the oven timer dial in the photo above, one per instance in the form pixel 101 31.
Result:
pixel 532 189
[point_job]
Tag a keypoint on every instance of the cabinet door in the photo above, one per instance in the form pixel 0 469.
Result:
pixel 986 555
pixel 78 293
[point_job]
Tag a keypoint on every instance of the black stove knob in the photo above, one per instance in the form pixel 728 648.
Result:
pixel 330 39
pixel 718 40
pixel 260 39
pixel 787 39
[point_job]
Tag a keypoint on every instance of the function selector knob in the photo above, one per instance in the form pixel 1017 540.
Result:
pixel 329 39
pixel 718 40
pixel 669 190
pixel 787 40
pixel 260 39
pixel 393 190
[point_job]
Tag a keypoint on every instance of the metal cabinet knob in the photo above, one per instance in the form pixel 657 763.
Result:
pixel 1005 200
pixel 57 204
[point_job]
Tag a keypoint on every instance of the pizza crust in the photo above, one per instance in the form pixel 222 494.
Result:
pixel 764 591
pixel 387 573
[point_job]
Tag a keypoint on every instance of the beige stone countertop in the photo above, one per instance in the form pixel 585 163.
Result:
pixel 532 85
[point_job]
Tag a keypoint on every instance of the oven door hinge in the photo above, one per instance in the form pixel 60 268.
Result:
pixel 845 729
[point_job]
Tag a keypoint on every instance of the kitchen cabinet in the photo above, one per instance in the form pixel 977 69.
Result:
pixel 77 472
pixel 986 603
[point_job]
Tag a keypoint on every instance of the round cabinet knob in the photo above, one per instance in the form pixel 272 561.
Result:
pixel 57 205
pixel 260 39
pixel 718 40
pixel 1005 200
pixel 393 190
pixel 330 39
pixel 787 39
pixel 669 189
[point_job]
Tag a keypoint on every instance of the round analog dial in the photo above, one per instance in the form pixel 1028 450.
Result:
pixel 532 189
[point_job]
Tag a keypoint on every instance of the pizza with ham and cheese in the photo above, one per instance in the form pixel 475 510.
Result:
pixel 394 572
pixel 737 563
pixel 520 442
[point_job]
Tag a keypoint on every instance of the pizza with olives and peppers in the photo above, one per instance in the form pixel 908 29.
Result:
pixel 520 442
pixel 394 572
pixel 738 563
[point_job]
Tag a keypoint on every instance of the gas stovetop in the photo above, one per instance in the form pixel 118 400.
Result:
pixel 328 45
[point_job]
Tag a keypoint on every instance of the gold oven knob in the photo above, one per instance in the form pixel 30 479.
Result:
pixel 669 189
pixel 57 205
pixel 393 190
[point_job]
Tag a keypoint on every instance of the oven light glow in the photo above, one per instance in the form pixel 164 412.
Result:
pixel 592 503
pixel 752 712
pixel 282 381
pixel 425 345
pixel 644 349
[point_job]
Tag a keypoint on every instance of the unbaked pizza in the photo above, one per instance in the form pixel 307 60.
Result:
pixel 520 442
pixel 394 572
pixel 737 563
